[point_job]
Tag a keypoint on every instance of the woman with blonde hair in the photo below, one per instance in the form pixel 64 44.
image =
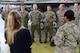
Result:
pixel 17 37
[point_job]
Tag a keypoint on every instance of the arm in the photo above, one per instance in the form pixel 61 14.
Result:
pixel 53 18
pixel 27 16
pixel 30 16
pixel 59 37
pixel 40 16
pixel 45 19
pixel 77 34
pixel 79 15
pixel 57 16
pixel 2 15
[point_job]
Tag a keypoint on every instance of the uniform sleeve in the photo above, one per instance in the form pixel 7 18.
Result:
pixel 77 33
pixel 54 16
pixel 79 38
pixel 44 16
pixel 79 27
pixel 57 13
pixel 30 16
pixel 40 16
pixel 2 15
pixel 59 37
pixel 79 15
pixel 27 16
pixel 48 19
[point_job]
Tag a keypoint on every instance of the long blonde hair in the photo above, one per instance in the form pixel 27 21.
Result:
pixel 14 23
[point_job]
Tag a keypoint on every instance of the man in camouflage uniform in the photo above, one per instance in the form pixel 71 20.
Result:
pixel 5 13
pixel 49 18
pixel 35 17
pixel 67 35
pixel 77 18
pixel 76 14
pixel 60 15
pixel 25 16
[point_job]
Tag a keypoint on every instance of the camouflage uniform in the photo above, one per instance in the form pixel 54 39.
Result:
pixel 66 38
pixel 25 18
pixel 79 37
pixel 60 16
pixel 4 16
pixel 77 17
pixel 35 17
pixel 48 26
pixel 77 22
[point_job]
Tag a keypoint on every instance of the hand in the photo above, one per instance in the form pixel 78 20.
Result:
pixel 45 20
pixel 51 20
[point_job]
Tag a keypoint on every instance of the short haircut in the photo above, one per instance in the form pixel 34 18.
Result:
pixel 49 6
pixel 62 5
pixel 76 3
pixel 22 5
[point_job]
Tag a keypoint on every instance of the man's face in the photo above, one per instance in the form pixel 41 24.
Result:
pixel 22 8
pixel 76 6
pixel 34 7
pixel 61 7
pixel 7 7
pixel 48 8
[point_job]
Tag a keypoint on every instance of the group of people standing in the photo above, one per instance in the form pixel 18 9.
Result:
pixel 19 38
pixel 17 35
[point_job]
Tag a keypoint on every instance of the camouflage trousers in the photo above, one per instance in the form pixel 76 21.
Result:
pixel 50 30
pixel 37 29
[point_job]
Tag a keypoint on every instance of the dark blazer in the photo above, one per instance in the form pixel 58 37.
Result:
pixel 22 42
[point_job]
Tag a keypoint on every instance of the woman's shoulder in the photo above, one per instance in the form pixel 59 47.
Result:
pixel 24 29
pixel 63 27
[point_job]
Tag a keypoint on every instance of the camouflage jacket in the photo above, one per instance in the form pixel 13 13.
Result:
pixel 66 38
pixel 35 17
pixel 60 17
pixel 49 16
